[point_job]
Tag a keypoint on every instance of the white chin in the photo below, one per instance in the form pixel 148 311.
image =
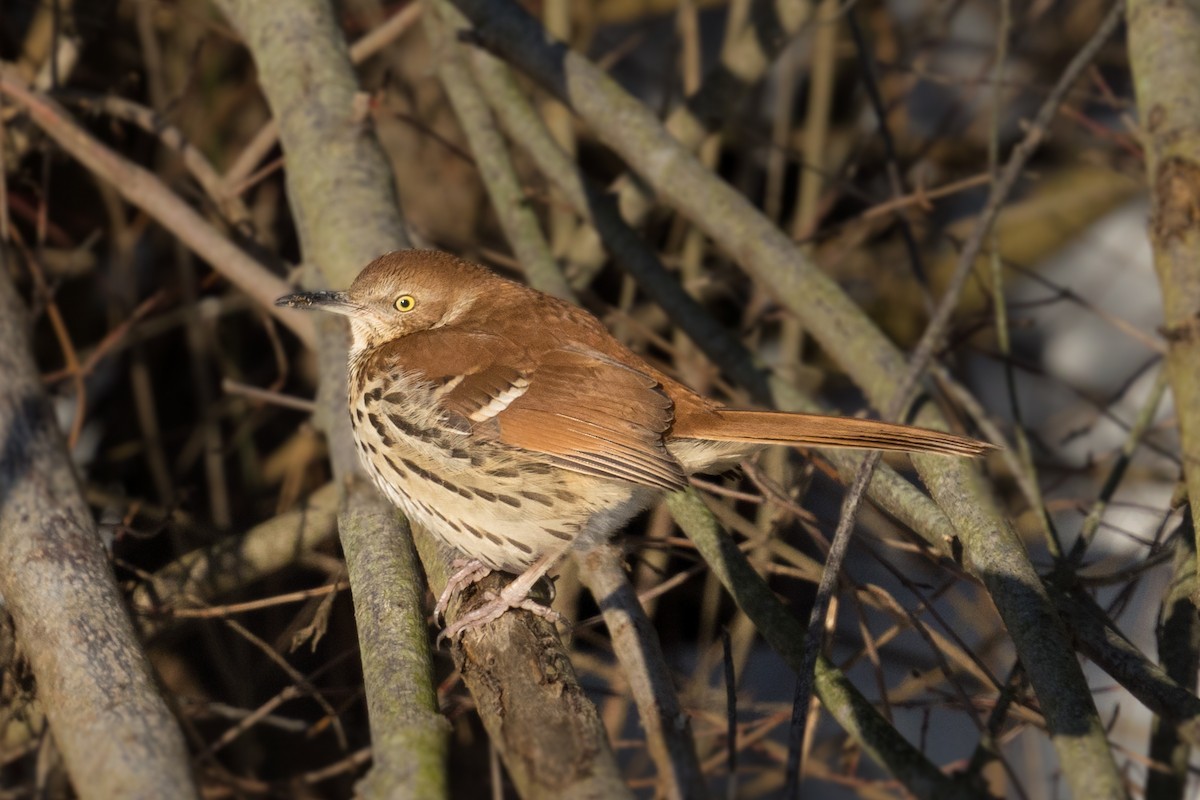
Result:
pixel 361 336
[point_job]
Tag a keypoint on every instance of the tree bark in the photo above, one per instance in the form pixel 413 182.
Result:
pixel 116 735
pixel 1165 59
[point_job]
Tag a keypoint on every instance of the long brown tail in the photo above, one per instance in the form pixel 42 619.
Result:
pixel 817 430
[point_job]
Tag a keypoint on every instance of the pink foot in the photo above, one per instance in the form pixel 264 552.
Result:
pixel 468 572
pixel 515 595
pixel 494 607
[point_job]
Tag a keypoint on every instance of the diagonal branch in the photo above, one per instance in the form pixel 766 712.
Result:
pixel 517 218
pixel 142 188
pixel 668 733
pixel 115 733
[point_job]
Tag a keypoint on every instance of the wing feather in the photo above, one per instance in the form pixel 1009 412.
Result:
pixel 577 408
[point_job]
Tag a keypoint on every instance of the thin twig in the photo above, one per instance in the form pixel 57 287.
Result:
pixel 1112 481
pixel 302 683
pixel 731 738
pixel 267 396
pixel 145 190
pixel 172 137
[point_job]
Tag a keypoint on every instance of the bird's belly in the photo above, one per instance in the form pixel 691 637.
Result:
pixel 503 508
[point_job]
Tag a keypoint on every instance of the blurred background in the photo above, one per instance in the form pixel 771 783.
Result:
pixel 872 139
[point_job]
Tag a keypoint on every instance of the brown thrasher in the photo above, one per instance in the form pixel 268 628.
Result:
pixel 513 425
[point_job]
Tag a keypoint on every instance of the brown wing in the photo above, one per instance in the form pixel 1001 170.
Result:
pixel 594 415
pixel 580 409
pixel 471 369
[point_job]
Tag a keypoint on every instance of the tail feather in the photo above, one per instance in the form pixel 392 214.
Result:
pixel 817 430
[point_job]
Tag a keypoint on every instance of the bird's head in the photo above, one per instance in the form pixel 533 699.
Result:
pixel 401 293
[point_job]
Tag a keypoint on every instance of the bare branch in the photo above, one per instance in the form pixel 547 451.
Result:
pixel 1162 46
pixel 345 211
pixel 517 218
pixel 668 733
pixel 110 723
pixel 146 191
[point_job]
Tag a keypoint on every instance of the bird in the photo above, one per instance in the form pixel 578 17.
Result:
pixel 514 426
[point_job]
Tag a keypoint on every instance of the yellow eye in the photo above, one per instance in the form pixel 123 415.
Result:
pixel 405 302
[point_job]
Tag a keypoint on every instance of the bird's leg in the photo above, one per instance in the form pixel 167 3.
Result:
pixel 515 595
pixel 468 572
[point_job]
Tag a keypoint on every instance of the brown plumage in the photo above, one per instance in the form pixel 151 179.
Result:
pixel 511 423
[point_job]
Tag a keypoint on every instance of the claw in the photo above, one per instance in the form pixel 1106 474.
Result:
pixel 515 595
pixel 468 573
pixel 493 608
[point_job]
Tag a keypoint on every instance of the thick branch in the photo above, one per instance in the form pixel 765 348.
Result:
pixel 1178 637
pixel 1166 70
pixel 114 731
pixel 1099 640
pixel 344 205
pixel 528 697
